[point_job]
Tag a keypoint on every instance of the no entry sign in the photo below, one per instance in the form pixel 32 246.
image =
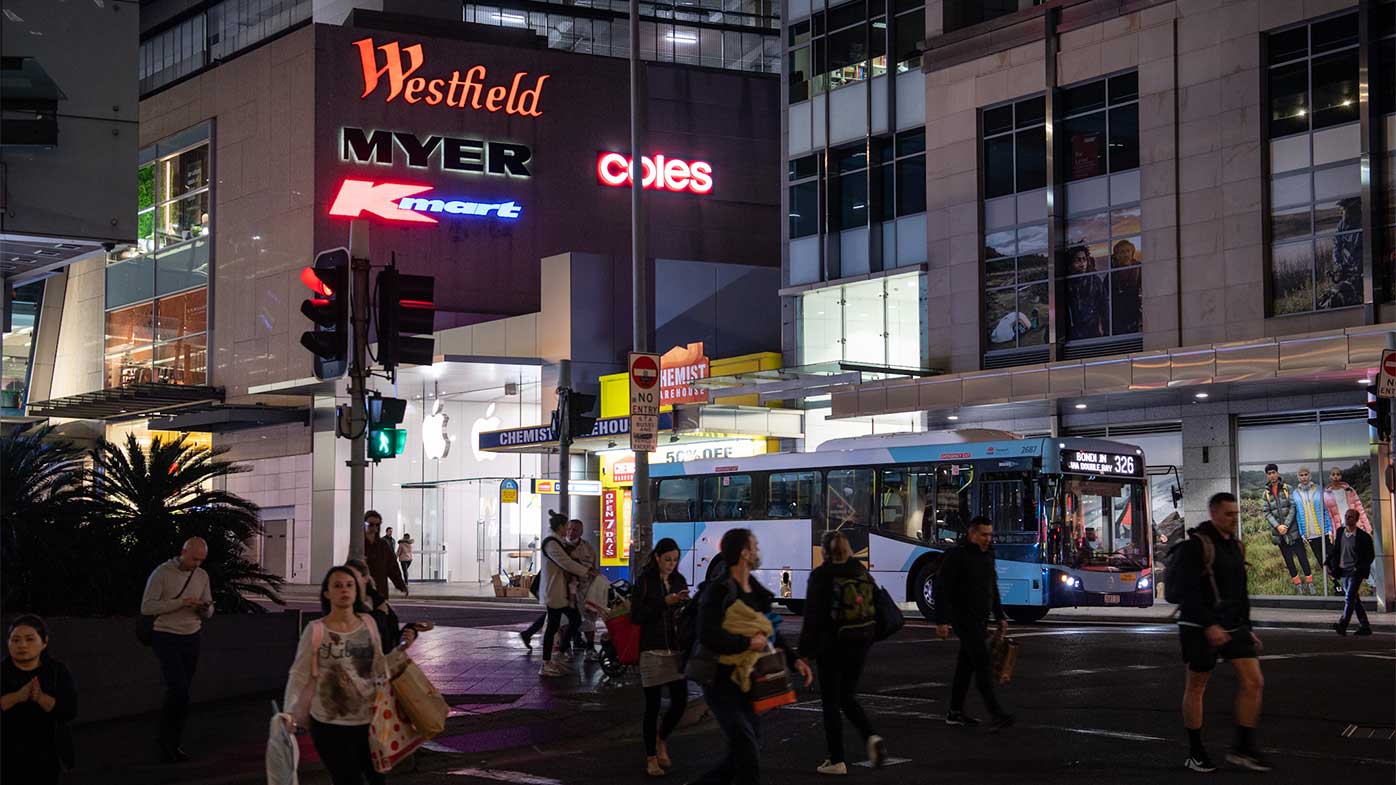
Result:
pixel 644 402
pixel 1386 379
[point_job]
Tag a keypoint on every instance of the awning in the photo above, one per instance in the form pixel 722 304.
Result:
pixel 126 403
pixel 223 419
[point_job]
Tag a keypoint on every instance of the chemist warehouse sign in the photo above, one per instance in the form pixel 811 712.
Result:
pixel 394 72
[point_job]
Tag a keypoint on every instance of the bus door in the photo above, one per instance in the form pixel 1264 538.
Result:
pixel 848 507
pixel 676 508
pixel 1009 498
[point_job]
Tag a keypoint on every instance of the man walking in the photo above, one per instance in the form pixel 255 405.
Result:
pixel 966 590
pixel 381 558
pixel 1350 561
pixel 1214 620
pixel 178 595
pixel 389 539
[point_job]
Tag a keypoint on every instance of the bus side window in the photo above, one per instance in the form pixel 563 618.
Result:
pixel 678 500
pixel 791 494
pixel 905 501
pixel 1010 504
pixel 952 485
pixel 849 499
pixel 727 497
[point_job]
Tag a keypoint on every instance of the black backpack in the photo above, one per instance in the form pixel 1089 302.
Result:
pixel 1173 589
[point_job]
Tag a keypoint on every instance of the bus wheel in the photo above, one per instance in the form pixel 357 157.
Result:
pixel 1026 614
pixel 796 607
pixel 924 592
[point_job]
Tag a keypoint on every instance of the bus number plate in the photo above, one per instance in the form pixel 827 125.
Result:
pixel 1112 599
pixel 1126 577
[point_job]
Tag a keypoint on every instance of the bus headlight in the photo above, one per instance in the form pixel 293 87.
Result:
pixel 1066 578
pixel 1143 583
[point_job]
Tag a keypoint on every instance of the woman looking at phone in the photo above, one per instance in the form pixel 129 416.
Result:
pixel 656 606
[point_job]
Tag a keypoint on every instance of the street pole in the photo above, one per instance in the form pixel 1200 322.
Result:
pixel 642 519
pixel 358 377
pixel 1384 529
pixel 564 437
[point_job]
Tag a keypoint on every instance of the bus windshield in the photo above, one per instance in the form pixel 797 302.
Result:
pixel 1104 523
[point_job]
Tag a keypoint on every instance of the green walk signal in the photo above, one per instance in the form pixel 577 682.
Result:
pixel 386 442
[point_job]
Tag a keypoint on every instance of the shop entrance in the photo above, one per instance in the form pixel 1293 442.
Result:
pixel 468 535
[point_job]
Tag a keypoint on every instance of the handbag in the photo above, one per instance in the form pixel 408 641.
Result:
pixel 420 701
pixel 890 618
pixel 770 682
pixel 145 625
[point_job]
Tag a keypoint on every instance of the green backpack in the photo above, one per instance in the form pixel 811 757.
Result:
pixel 854 609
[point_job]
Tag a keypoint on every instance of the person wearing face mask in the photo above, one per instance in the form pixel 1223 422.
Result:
pixel 584 553
pixel 741 553
pixel 38 701
pixel 1311 515
pixel 657 606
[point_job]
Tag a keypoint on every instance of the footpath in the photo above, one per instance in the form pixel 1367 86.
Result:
pixel 498 702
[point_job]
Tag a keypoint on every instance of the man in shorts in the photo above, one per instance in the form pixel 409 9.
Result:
pixel 1214 621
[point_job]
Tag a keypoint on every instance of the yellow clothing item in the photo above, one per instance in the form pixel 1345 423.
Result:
pixel 740 619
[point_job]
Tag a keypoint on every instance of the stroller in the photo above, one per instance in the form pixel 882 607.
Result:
pixel 621 647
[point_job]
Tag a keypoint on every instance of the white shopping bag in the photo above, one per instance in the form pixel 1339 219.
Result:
pixel 283 754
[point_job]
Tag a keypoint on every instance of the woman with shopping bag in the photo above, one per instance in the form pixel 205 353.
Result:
pixel 338 687
pixel 657 605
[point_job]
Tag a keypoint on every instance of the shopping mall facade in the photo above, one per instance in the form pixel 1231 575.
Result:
pixel 1165 223
pixel 475 154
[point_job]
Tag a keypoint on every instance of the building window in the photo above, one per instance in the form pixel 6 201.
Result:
pixel 1315 185
pixel 157 302
pixel 1385 120
pixel 848 43
pixel 877 322
pixel 848 188
pixel 18 347
pixel 902 173
pixel 213 35
pixel 910 31
pixel 804 195
pixel 1015 220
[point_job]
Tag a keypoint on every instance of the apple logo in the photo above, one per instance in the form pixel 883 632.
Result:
pixel 487 423
pixel 435 440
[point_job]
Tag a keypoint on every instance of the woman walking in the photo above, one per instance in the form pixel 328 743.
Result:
pixel 839 601
pixel 404 553
pixel 38 702
pixel 332 681
pixel 657 606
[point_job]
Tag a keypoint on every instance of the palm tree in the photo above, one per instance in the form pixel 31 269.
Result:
pixel 154 499
pixel 44 514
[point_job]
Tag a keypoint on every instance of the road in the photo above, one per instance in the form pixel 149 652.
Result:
pixel 1092 701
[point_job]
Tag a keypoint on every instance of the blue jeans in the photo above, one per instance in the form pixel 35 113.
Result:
pixel 1352 588
pixel 179 659
pixel 730 707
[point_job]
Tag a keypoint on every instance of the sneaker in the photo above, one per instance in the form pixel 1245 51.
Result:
pixel 961 719
pixel 832 768
pixel 1363 630
pixel 527 640
pixel 1198 761
pixel 566 664
pixel 877 751
pixel 999 723
pixel 1340 628
pixel 1247 760
pixel 1312 591
pixel 551 670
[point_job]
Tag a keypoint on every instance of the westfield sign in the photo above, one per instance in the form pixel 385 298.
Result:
pixel 395 75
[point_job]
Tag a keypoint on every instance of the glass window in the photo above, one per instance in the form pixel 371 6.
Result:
pixel 906 500
pixel 678 500
pixel 821 326
pixel 1094 140
pixel 849 499
pixel 911 30
pixel 1313 76
pixel 727 497
pixel 911 185
pixel 853 199
pixel 804 209
pixel 792 494
pixel 952 504
pixel 1010 504
pixel 1106 523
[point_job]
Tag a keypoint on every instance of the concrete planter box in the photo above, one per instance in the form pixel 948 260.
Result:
pixel 116 676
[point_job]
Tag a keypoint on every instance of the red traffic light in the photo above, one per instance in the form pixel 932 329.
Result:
pixel 310 278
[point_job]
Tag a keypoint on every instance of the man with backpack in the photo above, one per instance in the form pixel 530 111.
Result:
pixel 840 627
pixel 966 590
pixel 1207 580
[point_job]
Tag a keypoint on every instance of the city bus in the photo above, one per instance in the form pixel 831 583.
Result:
pixel 1071 515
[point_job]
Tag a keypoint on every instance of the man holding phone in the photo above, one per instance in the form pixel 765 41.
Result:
pixel 179 596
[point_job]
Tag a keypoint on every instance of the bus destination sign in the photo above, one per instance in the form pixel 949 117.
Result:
pixel 1106 463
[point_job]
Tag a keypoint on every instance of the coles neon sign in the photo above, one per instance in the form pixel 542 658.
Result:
pixel 659 173
pixel 404 203
pixel 469 92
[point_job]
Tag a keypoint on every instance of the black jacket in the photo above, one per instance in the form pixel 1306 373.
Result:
pixel 658 622
pixel 29 736
pixel 967 587
pixel 717 595
pixel 1365 555
pixel 817 633
pixel 1199 606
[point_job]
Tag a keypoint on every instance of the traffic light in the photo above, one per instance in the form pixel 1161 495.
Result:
pixel 385 439
pixel 575 422
pixel 1378 414
pixel 328 308
pixel 406 309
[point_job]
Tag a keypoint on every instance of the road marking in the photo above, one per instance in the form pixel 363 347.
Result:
pixel 518 777
pixel 867 764
pixel 1379 656
pixel 918 686
pixel 1114 734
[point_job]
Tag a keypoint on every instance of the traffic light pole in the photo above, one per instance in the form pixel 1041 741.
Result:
pixel 642 521
pixel 358 377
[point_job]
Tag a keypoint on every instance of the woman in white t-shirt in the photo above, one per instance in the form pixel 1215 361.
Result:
pixel 332 682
